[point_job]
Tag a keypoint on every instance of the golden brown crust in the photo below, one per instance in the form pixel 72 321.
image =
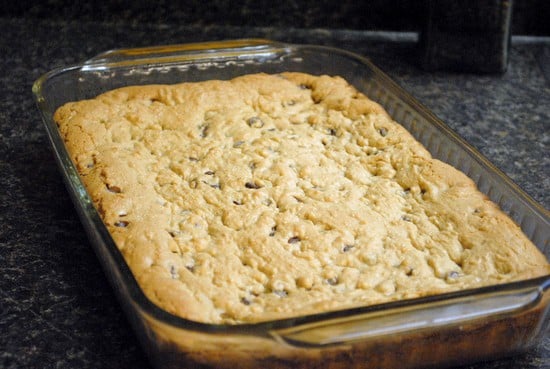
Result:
pixel 271 196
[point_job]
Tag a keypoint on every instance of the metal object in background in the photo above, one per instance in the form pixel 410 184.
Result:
pixel 466 36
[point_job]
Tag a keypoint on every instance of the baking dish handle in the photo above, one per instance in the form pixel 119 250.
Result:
pixel 405 319
pixel 182 52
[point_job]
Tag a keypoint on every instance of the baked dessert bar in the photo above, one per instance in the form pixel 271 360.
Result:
pixel 272 196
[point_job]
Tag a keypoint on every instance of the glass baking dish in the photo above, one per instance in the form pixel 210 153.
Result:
pixel 443 330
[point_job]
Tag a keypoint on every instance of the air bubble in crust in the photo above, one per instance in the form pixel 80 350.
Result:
pixel 281 293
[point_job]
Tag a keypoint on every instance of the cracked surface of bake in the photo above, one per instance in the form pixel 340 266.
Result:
pixel 272 196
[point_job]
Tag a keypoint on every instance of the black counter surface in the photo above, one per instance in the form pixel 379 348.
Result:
pixel 56 307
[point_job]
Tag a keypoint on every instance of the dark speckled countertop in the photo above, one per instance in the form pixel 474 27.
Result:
pixel 56 308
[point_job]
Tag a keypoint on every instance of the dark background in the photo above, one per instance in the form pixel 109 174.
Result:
pixel 530 17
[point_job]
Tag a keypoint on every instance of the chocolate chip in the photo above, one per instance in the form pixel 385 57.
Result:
pixel 273 230
pixel 245 301
pixel 173 272
pixel 332 132
pixel 113 189
pixel 203 128
pixel 347 248
pixel 252 185
pixel 255 122
pixel 294 239
pixel 190 268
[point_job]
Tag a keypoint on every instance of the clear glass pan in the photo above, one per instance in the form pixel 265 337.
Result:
pixel 443 330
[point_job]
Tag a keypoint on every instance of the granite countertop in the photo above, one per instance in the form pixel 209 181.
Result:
pixel 56 307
